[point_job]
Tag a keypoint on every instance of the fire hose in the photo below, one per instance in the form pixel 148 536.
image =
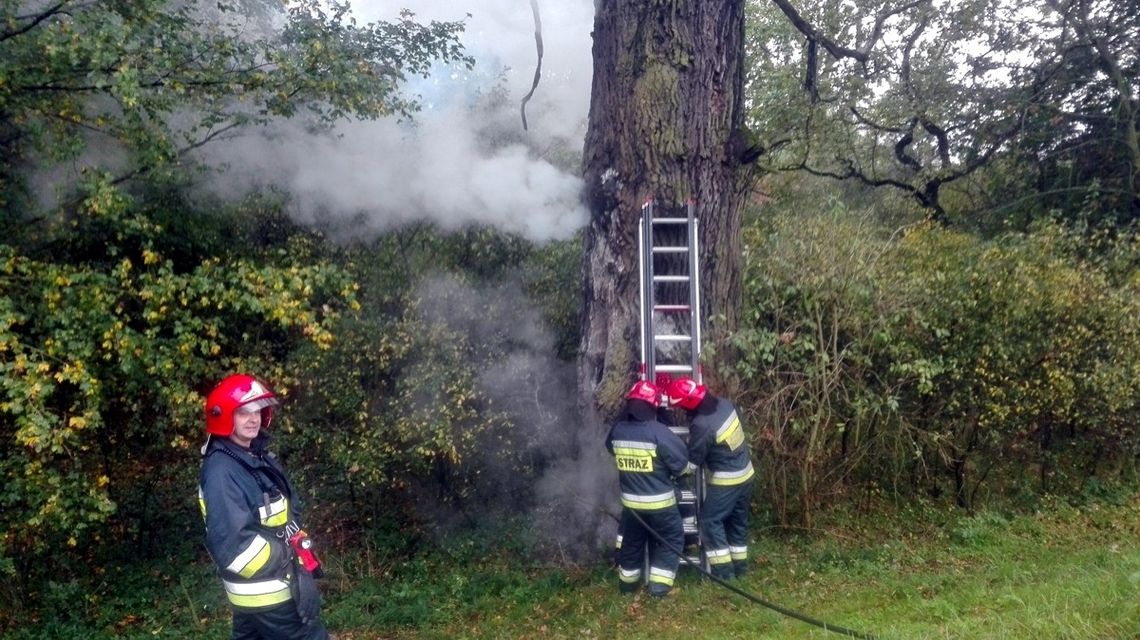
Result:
pixel 826 626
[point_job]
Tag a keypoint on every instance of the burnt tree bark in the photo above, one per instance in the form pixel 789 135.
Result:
pixel 666 117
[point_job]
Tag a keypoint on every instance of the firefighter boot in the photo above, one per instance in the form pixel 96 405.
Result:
pixel 740 567
pixel 723 571
pixel 628 587
pixel 658 590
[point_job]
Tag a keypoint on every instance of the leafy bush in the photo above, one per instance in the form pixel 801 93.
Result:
pixel 1036 352
pixel 933 360
pixel 103 367
pixel 810 329
pixel 108 350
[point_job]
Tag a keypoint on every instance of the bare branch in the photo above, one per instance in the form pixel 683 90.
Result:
pixel 901 154
pixel 35 20
pixel 212 135
pixel 838 51
pixel 538 67
pixel 943 142
pixel 864 120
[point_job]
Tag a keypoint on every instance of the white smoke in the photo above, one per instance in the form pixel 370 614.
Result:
pixel 383 173
pixel 457 166
pixel 576 481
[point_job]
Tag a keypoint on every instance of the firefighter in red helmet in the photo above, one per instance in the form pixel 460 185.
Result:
pixel 648 457
pixel 253 521
pixel 718 442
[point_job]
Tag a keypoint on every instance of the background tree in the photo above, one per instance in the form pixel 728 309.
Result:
pixel 909 95
pixel 978 110
pixel 1082 145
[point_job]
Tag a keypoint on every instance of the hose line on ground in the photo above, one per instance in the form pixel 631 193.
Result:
pixel 826 626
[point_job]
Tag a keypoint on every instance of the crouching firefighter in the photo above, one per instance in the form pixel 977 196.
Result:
pixel 718 442
pixel 648 456
pixel 253 521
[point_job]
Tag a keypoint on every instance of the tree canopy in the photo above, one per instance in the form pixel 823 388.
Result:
pixel 144 82
pixel 985 99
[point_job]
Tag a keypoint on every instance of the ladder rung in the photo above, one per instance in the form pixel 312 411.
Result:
pixel 690 528
pixel 681 431
pixel 673 368
pixel 670 278
pixel 670 249
pixel 688 496
pixel 673 338
pixel 671 307
pixel 670 220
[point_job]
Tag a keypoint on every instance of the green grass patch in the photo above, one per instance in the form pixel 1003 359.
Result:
pixel 1069 571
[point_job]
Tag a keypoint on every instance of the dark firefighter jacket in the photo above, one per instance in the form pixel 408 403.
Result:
pixel 250 511
pixel 717 440
pixel 648 456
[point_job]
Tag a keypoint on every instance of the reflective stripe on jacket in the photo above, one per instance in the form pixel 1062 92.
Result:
pixel 648 455
pixel 718 441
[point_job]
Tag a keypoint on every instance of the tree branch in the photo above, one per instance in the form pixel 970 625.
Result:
pixel 35 20
pixel 538 67
pixel 838 51
pixel 864 120
pixel 940 136
pixel 901 154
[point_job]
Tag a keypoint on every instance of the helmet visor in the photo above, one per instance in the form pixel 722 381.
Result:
pixel 257 405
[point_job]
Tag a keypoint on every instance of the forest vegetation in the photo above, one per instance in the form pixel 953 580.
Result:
pixel 937 351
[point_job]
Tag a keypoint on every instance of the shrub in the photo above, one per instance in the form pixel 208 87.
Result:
pixel 932 360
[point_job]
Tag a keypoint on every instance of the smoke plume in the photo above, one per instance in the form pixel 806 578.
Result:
pixel 573 481
pixel 466 158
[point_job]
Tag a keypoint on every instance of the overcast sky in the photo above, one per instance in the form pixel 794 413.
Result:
pixel 385 173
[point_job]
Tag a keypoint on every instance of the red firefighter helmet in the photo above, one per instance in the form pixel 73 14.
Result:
pixel 235 391
pixel 645 390
pixel 686 393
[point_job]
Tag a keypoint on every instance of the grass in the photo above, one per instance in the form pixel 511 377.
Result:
pixel 1066 572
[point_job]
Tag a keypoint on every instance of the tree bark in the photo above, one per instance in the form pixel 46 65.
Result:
pixel 666 116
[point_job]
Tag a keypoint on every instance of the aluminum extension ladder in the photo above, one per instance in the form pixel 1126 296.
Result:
pixel 668 255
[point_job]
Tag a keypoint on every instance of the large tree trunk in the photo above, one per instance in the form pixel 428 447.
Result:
pixel 665 123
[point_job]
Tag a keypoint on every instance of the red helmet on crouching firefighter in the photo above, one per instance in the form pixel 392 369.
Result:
pixel 234 392
pixel 686 393
pixel 642 401
pixel 646 391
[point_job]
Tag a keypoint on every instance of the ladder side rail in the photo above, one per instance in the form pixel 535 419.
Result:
pixel 645 285
pixel 642 227
pixel 695 292
pixel 695 357
pixel 649 360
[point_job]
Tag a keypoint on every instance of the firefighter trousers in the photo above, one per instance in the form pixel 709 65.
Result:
pixel 278 623
pixel 724 527
pixel 663 560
